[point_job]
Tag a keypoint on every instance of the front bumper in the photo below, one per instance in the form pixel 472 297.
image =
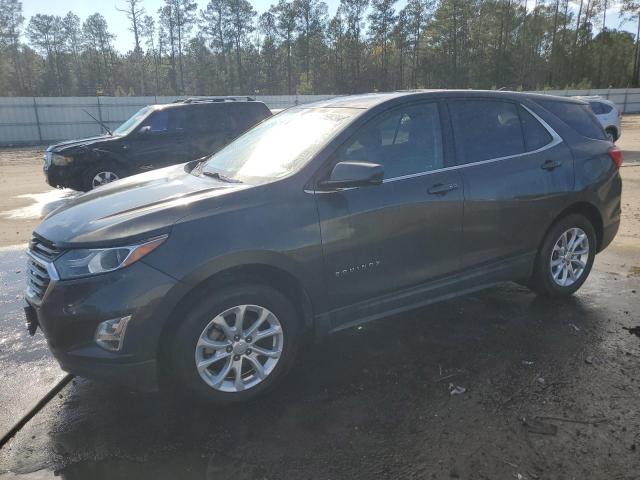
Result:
pixel 63 177
pixel 70 311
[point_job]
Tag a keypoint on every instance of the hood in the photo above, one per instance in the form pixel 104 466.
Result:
pixel 83 142
pixel 134 208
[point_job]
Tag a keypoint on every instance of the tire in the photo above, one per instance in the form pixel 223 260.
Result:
pixel 612 134
pixel 109 170
pixel 188 347
pixel 555 263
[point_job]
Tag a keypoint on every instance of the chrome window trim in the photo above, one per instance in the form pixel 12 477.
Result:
pixel 555 140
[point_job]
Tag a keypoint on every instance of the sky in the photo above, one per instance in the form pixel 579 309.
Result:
pixel 118 23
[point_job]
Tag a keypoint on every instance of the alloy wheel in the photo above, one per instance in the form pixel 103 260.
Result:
pixel 102 178
pixel 239 348
pixel 569 257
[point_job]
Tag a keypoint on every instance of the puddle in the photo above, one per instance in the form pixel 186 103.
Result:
pixel 41 475
pixel 189 466
pixel 43 204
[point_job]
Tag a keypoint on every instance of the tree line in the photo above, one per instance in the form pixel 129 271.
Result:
pixel 297 47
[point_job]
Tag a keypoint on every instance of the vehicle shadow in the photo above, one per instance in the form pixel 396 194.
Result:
pixel 368 402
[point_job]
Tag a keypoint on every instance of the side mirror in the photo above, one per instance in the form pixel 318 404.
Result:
pixel 144 131
pixel 354 174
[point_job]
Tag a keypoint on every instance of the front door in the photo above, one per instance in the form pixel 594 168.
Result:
pixel 403 232
pixel 160 141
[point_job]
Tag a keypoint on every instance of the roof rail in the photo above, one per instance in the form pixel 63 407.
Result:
pixel 215 99
pixel 589 97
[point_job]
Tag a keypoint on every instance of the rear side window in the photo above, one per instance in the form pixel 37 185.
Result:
pixel 577 116
pixel 486 129
pixel 247 114
pixel 535 135
pixel 207 119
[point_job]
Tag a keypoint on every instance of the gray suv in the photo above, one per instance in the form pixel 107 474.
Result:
pixel 210 274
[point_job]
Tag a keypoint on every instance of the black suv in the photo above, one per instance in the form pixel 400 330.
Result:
pixel 325 216
pixel 156 136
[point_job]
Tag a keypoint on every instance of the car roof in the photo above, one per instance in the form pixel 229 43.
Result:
pixel 370 100
pixel 165 106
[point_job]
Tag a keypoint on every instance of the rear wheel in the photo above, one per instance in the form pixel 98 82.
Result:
pixel 235 345
pixel 612 134
pixel 565 257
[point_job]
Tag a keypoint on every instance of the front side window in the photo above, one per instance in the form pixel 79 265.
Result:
pixel 159 122
pixel 166 121
pixel 486 129
pixel 406 141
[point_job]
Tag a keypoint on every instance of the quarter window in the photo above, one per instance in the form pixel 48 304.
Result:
pixel 405 141
pixel 535 135
pixel 596 107
pixel 486 129
pixel 606 108
pixel 578 116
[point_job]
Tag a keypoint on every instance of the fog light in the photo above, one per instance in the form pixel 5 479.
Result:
pixel 110 333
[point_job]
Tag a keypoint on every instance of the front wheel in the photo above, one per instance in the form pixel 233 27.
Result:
pixel 565 257
pixel 236 344
pixel 101 174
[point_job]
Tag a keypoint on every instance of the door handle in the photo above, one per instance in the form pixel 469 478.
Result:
pixel 442 188
pixel 551 164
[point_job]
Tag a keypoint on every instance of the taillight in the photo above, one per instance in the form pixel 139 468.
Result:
pixel 616 156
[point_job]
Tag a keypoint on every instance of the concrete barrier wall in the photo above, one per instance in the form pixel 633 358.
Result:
pixel 44 120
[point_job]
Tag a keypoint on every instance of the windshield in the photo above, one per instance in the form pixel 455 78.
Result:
pixel 133 122
pixel 280 145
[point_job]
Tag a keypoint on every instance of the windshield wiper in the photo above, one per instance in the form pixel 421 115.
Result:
pixel 219 176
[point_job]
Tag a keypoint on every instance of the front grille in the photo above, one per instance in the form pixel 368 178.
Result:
pixel 37 279
pixel 44 249
pixel 41 254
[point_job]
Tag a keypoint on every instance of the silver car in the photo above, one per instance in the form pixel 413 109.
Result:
pixel 608 114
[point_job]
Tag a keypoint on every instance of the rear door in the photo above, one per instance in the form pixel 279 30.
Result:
pixel 515 171
pixel 247 114
pixel 209 126
pixel 384 238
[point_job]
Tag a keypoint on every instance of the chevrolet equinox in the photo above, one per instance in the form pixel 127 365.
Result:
pixel 210 273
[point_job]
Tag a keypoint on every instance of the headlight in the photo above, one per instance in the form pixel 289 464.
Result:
pixel 61 160
pixel 92 261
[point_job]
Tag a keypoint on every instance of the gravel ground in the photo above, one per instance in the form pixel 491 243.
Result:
pixel 550 391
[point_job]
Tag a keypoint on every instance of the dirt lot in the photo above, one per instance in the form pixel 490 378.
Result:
pixel 551 389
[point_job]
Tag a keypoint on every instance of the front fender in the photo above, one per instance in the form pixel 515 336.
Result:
pixel 101 155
